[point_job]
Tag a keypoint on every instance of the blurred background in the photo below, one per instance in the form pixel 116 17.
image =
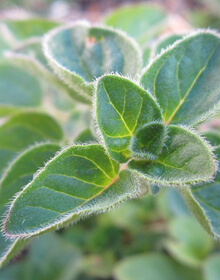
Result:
pixel 153 238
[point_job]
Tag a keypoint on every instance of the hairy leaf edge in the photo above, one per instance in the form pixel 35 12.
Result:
pixel 52 61
pixel 159 182
pixel 169 48
pixel 70 218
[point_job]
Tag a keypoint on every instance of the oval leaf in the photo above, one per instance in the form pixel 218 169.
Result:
pixel 80 53
pixel 23 130
pixel 185 78
pixel 79 181
pixel 148 141
pixel 185 158
pixel 19 173
pixel 122 108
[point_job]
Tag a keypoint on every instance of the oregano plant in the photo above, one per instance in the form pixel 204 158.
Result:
pixel 144 133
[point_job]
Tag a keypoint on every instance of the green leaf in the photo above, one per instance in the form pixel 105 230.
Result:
pixel 122 108
pixel 18 89
pixel 186 246
pixel 23 130
pixel 185 79
pixel 148 141
pixel 29 28
pixel 142 21
pixel 153 266
pixel 185 158
pixel 19 173
pixel 79 181
pixel 211 267
pixel 80 53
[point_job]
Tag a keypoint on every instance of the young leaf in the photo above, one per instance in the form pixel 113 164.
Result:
pixel 142 21
pixel 23 130
pixel 185 159
pixel 19 173
pixel 153 266
pixel 148 141
pixel 185 78
pixel 79 181
pixel 79 53
pixel 18 89
pixel 122 108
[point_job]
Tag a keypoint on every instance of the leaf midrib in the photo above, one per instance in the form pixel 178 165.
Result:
pixel 191 86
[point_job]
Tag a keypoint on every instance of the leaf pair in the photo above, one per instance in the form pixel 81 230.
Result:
pixel 130 122
pixel 81 180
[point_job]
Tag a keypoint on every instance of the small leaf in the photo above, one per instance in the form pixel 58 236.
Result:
pixel 122 108
pixel 148 141
pixel 19 173
pixel 142 21
pixel 80 53
pixel 185 158
pixel 18 89
pixel 153 266
pixel 185 79
pixel 79 181
pixel 23 130
pixel 29 28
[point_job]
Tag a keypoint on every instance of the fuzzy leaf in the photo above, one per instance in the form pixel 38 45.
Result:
pixel 79 181
pixel 18 89
pixel 19 173
pixel 23 130
pixel 80 53
pixel 185 79
pixel 148 141
pixel 122 108
pixel 153 266
pixel 29 28
pixel 185 158
pixel 142 21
